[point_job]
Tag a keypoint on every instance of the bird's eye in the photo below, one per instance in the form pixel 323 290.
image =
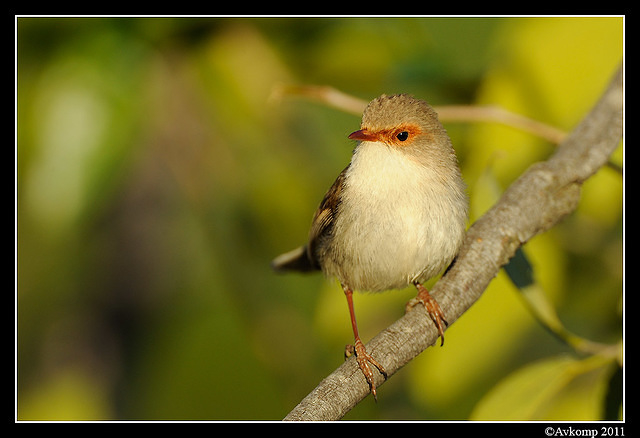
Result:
pixel 402 135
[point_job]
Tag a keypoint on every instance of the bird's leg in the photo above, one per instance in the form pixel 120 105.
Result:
pixel 434 310
pixel 362 356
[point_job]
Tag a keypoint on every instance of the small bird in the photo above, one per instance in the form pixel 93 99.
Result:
pixel 394 217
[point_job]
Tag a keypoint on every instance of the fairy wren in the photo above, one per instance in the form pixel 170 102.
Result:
pixel 394 217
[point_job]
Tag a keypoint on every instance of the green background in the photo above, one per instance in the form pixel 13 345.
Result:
pixel 156 179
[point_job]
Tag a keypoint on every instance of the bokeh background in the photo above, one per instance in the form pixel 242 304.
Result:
pixel 156 178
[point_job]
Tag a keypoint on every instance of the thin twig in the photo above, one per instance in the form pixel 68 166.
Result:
pixel 334 98
pixel 496 114
pixel 329 96
pixel 448 113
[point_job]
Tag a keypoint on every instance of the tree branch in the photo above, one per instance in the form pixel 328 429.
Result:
pixel 539 199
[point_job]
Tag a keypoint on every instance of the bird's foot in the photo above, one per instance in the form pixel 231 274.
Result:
pixel 432 307
pixel 364 359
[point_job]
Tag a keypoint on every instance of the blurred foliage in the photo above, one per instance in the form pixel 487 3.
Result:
pixel 156 180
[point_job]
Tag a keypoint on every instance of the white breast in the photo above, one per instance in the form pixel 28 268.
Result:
pixel 397 222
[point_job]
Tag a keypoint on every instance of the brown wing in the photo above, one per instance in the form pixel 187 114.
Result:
pixel 324 217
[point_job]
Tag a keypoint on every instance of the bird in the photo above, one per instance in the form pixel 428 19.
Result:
pixel 394 217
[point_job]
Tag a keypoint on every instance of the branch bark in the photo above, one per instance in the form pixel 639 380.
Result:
pixel 540 198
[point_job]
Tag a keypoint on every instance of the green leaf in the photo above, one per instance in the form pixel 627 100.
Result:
pixel 558 388
pixel 520 272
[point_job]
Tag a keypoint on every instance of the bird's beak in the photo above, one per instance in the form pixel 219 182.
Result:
pixel 363 135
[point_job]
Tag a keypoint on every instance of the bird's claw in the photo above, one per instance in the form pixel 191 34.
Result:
pixel 363 358
pixel 432 307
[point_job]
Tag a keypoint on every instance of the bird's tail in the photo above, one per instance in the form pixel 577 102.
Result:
pixel 294 260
